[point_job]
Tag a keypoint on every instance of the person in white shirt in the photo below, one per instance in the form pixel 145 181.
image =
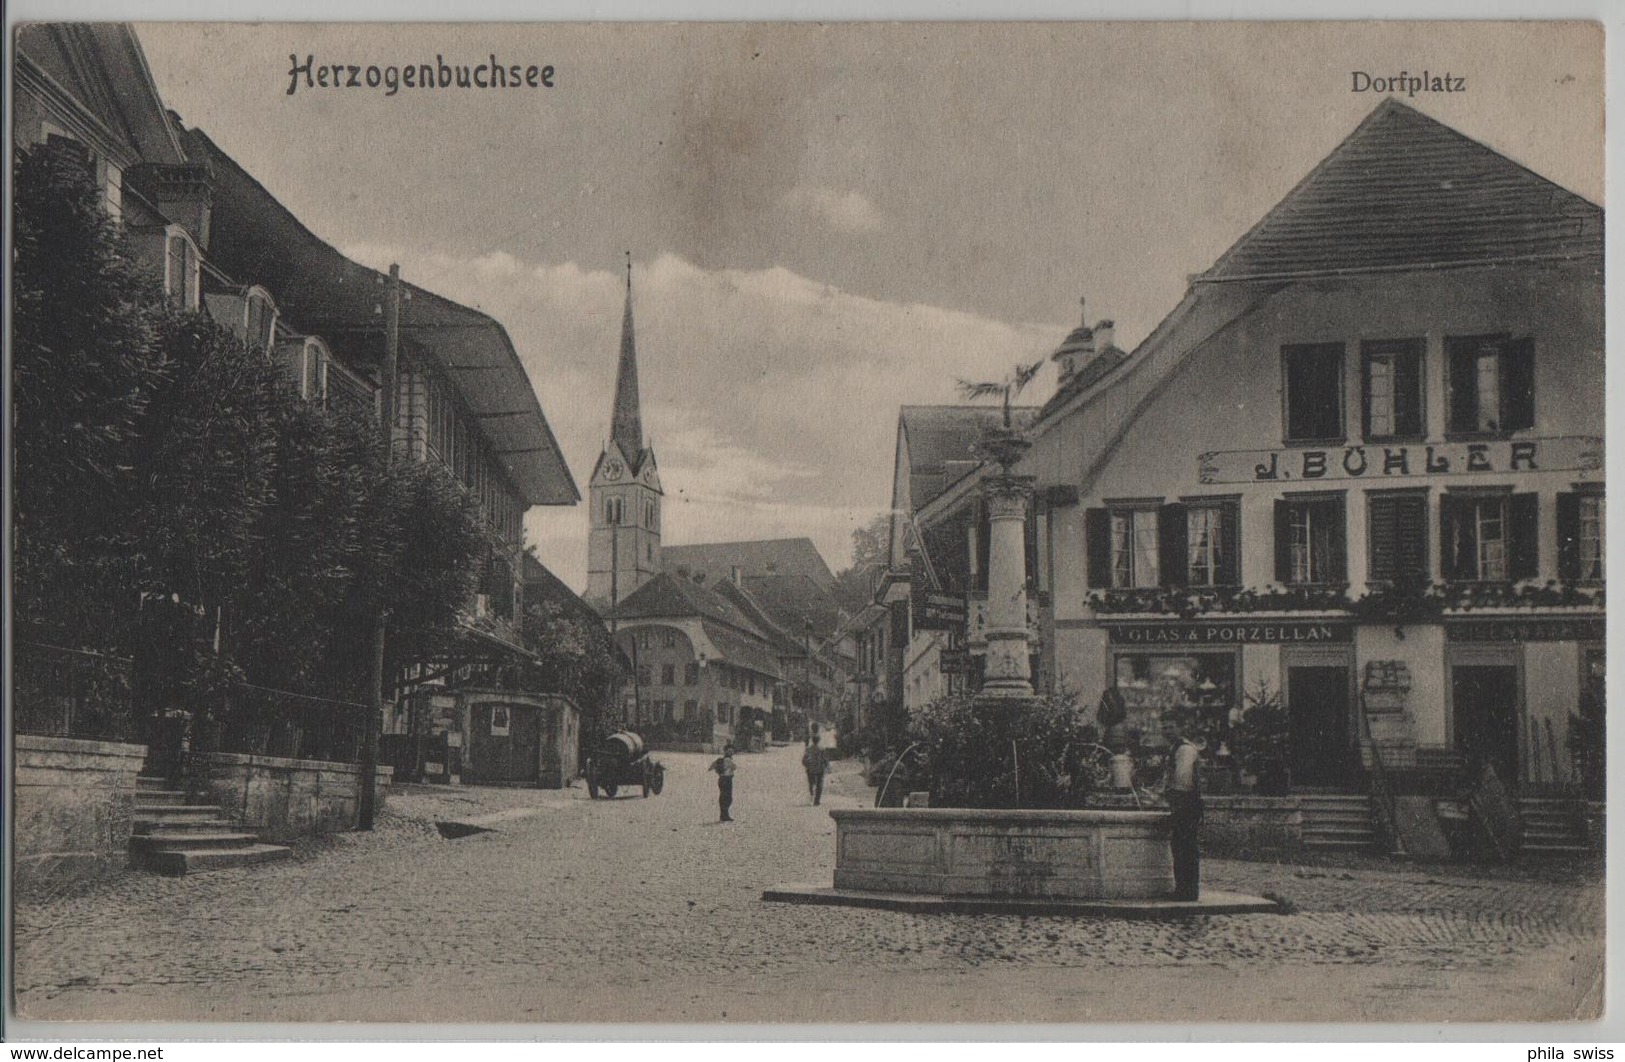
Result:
pixel 724 766
pixel 1181 791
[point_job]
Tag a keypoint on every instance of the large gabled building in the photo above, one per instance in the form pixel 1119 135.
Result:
pixel 1360 463
pixel 217 241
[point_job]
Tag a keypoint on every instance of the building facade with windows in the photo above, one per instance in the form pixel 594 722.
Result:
pixel 217 241
pixel 1360 464
pixel 702 666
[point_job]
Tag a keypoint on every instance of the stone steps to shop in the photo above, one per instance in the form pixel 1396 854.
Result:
pixel 173 835
pixel 178 862
pixel 1337 821
pixel 1552 829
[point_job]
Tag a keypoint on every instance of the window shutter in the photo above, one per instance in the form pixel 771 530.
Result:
pixel 1462 385
pixel 1097 533
pixel 1408 392
pixel 1523 533
pixel 1384 549
pixel 1450 560
pixel 1230 544
pixel 1399 537
pixel 1411 551
pixel 1172 535
pixel 1568 537
pixel 1518 385
pixel 1283 542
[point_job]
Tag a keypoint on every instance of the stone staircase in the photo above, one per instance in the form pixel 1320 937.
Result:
pixel 175 836
pixel 1337 822
pixel 1552 828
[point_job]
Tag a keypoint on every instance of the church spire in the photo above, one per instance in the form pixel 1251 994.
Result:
pixel 626 423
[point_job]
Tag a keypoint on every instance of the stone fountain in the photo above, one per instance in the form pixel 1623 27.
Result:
pixel 990 860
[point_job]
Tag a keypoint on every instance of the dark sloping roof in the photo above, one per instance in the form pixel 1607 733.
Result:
pixel 101 65
pixel 1405 190
pixel 669 596
pixel 730 627
pixel 542 585
pixel 1094 370
pixel 256 239
pixel 796 603
pixel 943 444
pixel 742 650
pixel 783 556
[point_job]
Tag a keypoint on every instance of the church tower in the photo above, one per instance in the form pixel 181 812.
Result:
pixel 623 546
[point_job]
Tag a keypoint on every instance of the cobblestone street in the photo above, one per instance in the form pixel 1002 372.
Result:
pixel 648 910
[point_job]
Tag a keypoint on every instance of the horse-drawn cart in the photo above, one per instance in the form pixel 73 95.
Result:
pixel 622 760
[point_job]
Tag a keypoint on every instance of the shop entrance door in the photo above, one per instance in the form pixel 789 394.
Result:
pixel 1318 724
pixel 1484 700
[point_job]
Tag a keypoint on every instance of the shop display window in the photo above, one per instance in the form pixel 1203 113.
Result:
pixel 1201 683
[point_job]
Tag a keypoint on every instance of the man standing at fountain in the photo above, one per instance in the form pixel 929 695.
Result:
pixel 1183 795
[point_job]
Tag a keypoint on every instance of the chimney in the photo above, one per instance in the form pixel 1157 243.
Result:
pixel 1103 335
pixel 736 575
pixel 182 192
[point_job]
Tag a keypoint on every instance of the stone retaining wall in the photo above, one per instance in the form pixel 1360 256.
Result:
pixel 281 799
pixel 74 805
pixel 1249 826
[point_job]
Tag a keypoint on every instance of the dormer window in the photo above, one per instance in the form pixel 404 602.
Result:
pixel 260 323
pixel 181 272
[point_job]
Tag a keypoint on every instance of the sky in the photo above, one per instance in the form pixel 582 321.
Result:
pixel 829 221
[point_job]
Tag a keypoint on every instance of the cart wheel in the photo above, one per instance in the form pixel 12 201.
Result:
pixel 646 788
pixel 658 782
pixel 609 790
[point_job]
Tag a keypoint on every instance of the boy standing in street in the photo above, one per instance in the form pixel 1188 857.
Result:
pixel 724 766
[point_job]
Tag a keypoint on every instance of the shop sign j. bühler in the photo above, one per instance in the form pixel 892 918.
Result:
pixel 1566 453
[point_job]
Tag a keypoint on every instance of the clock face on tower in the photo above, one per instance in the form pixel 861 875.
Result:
pixel 612 469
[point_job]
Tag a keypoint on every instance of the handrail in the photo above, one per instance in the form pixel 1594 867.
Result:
pixel 1493 810
pixel 1382 788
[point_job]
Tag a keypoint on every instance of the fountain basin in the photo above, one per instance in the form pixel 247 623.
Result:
pixel 1027 854
pixel 1108 863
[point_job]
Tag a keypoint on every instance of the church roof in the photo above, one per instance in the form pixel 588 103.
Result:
pixel 1403 190
pixel 943 444
pixel 772 556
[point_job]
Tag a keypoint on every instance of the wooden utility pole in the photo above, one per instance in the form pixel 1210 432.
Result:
pixel 373 714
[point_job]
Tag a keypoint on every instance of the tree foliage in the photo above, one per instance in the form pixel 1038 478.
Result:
pixel 871 547
pixel 1024 753
pixel 85 361
pixel 170 488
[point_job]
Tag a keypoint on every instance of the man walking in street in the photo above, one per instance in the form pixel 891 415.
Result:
pixel 1181 790
pixel 724 766
pixel 812 759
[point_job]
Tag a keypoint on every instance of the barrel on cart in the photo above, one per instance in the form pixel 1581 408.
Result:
pixel 622 760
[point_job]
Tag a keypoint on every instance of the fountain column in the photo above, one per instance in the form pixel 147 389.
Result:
pixel 1008 672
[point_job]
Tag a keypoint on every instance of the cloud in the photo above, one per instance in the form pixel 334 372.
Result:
pixel 850 212
pixel 770 398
